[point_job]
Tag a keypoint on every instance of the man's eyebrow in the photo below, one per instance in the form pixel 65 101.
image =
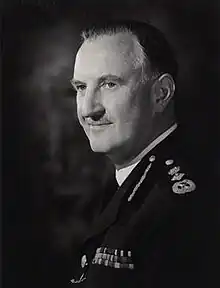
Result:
pixel 75 82
pixel 110 77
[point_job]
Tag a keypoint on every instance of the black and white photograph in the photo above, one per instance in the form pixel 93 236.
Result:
pixel 110 144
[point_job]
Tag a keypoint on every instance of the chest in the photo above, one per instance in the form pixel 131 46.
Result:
pixel 136 227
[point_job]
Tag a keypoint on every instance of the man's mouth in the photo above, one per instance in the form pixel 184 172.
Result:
pixel 99 125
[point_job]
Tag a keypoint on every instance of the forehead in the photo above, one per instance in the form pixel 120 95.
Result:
pixel 108 54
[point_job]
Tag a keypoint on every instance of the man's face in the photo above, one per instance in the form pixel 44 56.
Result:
pixel 113 105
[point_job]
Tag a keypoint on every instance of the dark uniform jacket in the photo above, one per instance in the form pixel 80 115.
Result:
pixel 149 233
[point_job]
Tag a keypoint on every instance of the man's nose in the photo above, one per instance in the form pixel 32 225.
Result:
pixel 92 106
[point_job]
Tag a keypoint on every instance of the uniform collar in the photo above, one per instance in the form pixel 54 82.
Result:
pixel 123 173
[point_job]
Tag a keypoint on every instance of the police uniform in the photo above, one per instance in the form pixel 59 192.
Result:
pixel 148 234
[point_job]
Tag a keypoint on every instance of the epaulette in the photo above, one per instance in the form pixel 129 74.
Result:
pixel 180 181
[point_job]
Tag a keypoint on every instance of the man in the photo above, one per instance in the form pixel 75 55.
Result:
pixel 144 235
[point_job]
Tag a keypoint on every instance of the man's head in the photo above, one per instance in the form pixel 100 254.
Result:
pixel 123 80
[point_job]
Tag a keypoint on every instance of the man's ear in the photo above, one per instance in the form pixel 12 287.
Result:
pixel 162 92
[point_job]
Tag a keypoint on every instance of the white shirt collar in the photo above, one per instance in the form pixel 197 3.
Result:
pixel 123 173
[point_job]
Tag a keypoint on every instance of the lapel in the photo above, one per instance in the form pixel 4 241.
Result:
pixel 120 199
pixel 119 202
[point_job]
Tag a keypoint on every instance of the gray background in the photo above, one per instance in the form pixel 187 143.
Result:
pixel 51 179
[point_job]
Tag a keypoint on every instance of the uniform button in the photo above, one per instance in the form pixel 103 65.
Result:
pixel 169 162
pixel 152 158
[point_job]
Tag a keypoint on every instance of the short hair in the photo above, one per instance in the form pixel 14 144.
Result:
pixel 155 50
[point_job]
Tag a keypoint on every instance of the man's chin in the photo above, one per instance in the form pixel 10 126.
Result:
pixel 99 148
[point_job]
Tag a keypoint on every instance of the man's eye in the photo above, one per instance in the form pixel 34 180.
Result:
pixel 80 88
pixel 109 85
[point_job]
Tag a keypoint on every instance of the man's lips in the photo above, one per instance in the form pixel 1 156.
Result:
pixel 104 124
pixel 98 125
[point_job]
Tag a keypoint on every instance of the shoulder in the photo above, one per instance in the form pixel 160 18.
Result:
pixel 177 176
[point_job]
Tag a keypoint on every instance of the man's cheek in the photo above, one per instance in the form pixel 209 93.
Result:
pixel 79 115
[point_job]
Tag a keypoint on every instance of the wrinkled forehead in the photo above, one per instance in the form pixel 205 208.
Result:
pixel 107 54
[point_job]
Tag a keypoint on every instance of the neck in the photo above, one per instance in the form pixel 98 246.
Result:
pixel 124 160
